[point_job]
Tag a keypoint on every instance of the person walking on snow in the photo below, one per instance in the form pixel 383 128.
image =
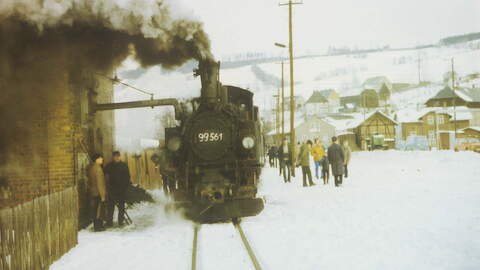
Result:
pixel 348 153
pixel 304 160
pixel 318 153
pixel 285 160
pixel 337 161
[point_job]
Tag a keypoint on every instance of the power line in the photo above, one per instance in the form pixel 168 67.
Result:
pixel 117 80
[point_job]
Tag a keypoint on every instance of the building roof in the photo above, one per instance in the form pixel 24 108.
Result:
pixel 474 128
pixel 371 114
pixel 326 93
pixel 317 97
pixel 466 94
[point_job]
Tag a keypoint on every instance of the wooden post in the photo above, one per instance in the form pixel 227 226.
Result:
pixel 292 91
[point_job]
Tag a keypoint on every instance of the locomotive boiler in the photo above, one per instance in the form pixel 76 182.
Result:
pixel 213 158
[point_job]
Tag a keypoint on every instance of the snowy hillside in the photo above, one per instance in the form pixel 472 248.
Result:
pixel 397 210
pixel 343 73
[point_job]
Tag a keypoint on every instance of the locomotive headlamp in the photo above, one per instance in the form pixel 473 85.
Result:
pixel 248 142
pixel 174 144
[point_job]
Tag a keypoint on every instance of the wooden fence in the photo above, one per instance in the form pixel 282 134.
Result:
pixel 35 234
pixel 142 170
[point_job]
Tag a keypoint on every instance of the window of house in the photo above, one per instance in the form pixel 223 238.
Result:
pixel 440 119
pixel 430 120
pixel 413 133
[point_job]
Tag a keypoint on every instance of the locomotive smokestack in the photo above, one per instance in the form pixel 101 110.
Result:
pixel 208 70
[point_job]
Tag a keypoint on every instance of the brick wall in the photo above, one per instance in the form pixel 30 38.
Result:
pixel 40 152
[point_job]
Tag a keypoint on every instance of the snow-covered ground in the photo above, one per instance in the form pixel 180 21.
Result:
pixel 397 210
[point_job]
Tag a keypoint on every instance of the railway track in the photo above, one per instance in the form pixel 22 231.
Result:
pixel 246 244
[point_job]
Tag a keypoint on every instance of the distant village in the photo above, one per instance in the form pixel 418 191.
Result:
pixel 447 118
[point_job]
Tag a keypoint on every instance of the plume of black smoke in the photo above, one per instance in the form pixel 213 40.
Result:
pixel 44 43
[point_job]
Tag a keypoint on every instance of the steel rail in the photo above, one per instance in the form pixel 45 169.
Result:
pixel 249 249
pixel 196 228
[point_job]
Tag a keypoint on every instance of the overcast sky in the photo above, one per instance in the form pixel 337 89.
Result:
pixel 237 26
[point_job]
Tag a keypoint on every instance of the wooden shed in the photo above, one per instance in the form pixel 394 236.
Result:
pixel 375 123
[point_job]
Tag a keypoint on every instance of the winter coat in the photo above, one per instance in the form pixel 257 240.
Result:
pixel 348 154
pixel 118 176
pixel 304 156
pixel 317 152
pixel 96 181
pixel 272 152
pixel 284 156
pixel 325 164
pixel 336 159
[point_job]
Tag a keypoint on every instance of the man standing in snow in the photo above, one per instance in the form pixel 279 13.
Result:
pixel 285 162
pixel 118 182
pixel 336 159
pixel 318 153
pixel 348 153
pixel 97 192
pixel 304 160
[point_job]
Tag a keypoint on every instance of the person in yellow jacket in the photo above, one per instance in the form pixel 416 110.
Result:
pixel 318 154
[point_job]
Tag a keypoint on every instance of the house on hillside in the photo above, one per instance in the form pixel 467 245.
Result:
pixel 310 129
pixel 333 99
pixel 350 104
pixel 376 92
pixel 446 97
pixel 316 105
pixel 437 124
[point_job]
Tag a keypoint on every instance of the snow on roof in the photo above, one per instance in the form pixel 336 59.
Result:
pixel 475 128
pixel 467 94
pixel 347 121
pixel 372 114
pixel 461 94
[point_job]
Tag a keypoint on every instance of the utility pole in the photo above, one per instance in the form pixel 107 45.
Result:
pixel 292 92
pixel 283 92
pixel 418 67
pixel 454 103
pixel 283 106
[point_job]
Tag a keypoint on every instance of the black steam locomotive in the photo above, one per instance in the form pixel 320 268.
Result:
pixel 213 159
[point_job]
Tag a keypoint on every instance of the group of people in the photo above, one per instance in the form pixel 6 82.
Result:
pixel 335 156
pixel 106 188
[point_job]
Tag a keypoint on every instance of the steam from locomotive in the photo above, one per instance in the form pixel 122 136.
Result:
pixel 48 44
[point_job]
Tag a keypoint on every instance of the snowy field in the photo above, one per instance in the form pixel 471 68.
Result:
pixel 397 210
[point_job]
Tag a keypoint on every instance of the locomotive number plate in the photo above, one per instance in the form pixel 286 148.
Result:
pixel 210 137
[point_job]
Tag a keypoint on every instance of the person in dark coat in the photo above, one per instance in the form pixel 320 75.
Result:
pixel 284 156
pixel 118 182
pixel 304 160
pixel 325 170
pixel 97 192
pixel 336 159
pixel 272 153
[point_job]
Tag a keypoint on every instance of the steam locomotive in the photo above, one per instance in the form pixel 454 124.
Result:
pixel 213 158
